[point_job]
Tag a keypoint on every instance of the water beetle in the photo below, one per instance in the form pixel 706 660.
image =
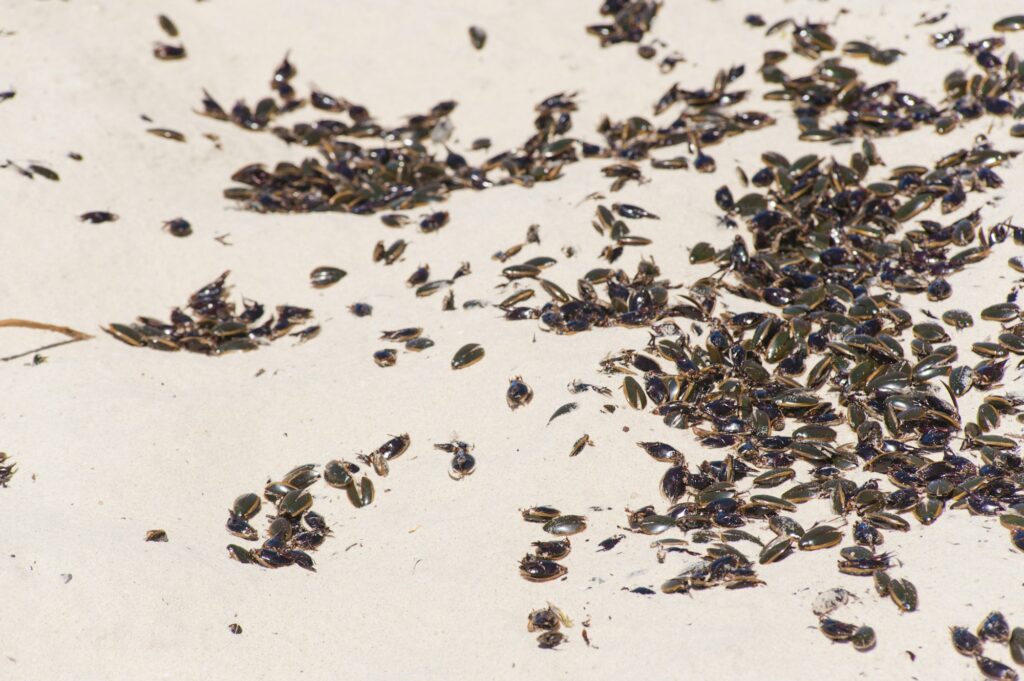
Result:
pixel 994 628
pixel 462 465
pixel 535 569
pixel 552 550
pixel 385 358
pixel 98 216
pixel 519 394
pixel 965 642
pixel 564 525
pixel 178 227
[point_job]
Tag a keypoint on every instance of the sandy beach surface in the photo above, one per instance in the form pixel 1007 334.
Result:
pixel 113 441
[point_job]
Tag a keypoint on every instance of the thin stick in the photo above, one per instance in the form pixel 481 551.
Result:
pixel 72 334
pixel 27 324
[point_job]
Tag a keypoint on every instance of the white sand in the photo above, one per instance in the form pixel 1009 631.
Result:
pixel 112 442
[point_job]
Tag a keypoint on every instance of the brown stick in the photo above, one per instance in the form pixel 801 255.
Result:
pixel 27 324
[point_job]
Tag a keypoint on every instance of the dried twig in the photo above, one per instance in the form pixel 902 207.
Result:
pixel 72 334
